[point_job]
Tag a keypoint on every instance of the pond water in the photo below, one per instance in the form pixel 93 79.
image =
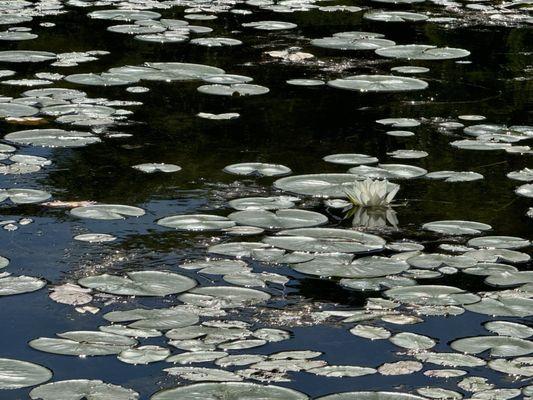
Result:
pixel 131 132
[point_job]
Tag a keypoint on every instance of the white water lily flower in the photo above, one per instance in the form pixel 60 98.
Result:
pixel 372 193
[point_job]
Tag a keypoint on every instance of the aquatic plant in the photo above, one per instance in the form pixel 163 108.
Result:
pixel 372 193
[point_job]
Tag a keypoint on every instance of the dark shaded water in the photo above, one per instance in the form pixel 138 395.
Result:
pixel 294 126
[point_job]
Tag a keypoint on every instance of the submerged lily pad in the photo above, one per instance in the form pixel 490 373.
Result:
pixel 82 389
pixel 17 374
pixel 140 283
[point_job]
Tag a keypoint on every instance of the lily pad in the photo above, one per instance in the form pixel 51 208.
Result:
pixel 107 211
pixel 422 52
pixel 17 374
pixel 52 138
pixel 196 222
pixel 378 83
pixel 140 283
pixel 257 169
pixel 82 389
pixel 281 219
pixel 326 240
pixel 230 391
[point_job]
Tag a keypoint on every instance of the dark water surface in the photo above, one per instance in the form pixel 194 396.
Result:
pixel 291 125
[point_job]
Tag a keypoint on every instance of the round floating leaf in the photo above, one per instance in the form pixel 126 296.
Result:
pixel 498 255
pixel 103 79
pixel 124 15
pixel 525 175
pixel 422 52
pixel 326 240
pixel 510 278
pixel 453 227
pixel 16 111
pixel 202 374
pixel 270 25
pixel 409 69
pixel 26 56
pixel 95 238
pixel 224 297
pixel 107 211
pixel 378 83
pixel 83 343
pixel 24 196
pixel 52 138
pixel 344 43
pixel 143 355
pixel 450 359
pixel 17 374
pixel 412 341
pixel 82 389
pixel 236 90
pixel 438 393
pixel 339 371
pixel 196 357
pixel 431 295
pixel 499 242
pixel 230 391
pixel 11 285
pixel 150 168
pixel 394 16
pixel 216 42
pixel 196 222
pixel 350 159
pixel 370 332
pixel 518 366
pixel 282 219
pixel 503 307
pixel 499 346
pixel 366 267
pixel 388 171
pixel 258 169
pixel 239 249
pixel 306 82
pixel 454 176
pixel 317 185
pixel 140 283
pixel 512 329
pixel 400 368
pixel 263 203
pixel 227 79
pixel 159 318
